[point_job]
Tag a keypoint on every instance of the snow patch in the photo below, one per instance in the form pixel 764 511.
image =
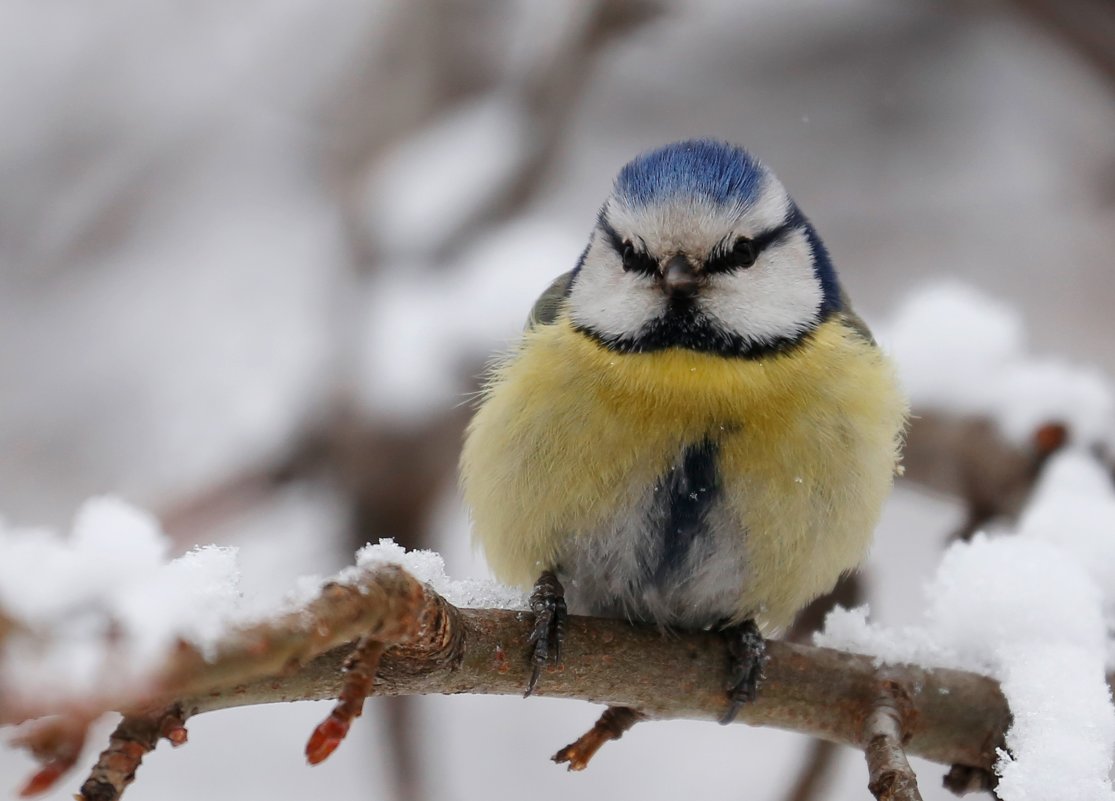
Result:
pixel 1032 609
pixel 107 588
pixel 99 610
pixel 961 351
pixel 429 567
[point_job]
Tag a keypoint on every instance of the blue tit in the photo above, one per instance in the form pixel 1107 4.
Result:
pixel 695 430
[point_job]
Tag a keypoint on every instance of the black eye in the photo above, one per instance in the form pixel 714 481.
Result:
pixel 634 261
pixel 745 252
pixel 740 257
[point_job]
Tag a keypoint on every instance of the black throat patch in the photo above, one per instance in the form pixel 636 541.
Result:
pixel 684 326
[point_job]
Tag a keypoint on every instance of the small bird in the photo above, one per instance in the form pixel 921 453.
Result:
pixel 695 430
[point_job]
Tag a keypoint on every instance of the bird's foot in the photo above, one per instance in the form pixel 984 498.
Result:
pixel 548 604
pixel 611 726
pixel 747 653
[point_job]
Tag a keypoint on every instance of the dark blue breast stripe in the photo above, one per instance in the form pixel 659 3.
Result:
pixel 685 495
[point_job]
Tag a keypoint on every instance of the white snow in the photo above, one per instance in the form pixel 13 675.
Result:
pixel 45 578
pixel 429 567
pixel 104 605
pixel 1028 608
pixel 961 351
pixel 1033 606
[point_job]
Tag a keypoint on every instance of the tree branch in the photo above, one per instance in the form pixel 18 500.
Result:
pixel 1086 27
pixel 969 458
pixel 958 717
pixel 384 604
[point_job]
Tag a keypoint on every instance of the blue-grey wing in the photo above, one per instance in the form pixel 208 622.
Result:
pixel 853 320
pixel 548 306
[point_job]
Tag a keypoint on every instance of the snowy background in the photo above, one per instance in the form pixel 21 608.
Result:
pixel 252 256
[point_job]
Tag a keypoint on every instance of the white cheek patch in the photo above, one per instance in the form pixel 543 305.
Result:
pixel 609 300
pixel 779 297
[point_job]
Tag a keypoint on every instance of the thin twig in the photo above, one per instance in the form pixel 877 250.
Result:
pixel 7 625
pixel 56 744
pixel 890 777
pixel 1086 27
pixel 971 459
pixel 612 724
pixel 134 738
pixel 812 775
pixel 360 672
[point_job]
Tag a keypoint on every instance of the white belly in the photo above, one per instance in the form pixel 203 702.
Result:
pixel 672 556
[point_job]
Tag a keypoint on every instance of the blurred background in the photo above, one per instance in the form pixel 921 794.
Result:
pixel 254 255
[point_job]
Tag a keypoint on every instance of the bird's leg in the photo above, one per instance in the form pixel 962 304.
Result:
pixel 611 726
pixel 548 604
pixel 747 653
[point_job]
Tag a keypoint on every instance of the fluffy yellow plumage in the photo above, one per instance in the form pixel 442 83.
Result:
pixel 696 431
pixel 807 446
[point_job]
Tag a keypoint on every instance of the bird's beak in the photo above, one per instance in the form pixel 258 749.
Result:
pixel 679 279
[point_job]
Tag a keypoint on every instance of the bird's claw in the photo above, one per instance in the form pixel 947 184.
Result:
pixel 548 604
pixel 747 654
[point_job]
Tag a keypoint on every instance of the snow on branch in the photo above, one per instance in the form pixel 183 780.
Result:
pixel 440 648
pixel 1032 607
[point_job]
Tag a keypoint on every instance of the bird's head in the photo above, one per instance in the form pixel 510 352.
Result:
pixel 699 246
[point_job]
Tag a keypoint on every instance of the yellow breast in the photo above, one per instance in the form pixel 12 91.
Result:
pixel 808 445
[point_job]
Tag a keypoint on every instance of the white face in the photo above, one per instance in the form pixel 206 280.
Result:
pixel 775 300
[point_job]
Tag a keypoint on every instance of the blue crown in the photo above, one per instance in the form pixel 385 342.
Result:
pixel 717 171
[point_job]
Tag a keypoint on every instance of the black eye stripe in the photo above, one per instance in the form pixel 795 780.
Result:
pixel 771 235
pixel 638 262
pixel 725 259
pixel 633 259
pixel 610 232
